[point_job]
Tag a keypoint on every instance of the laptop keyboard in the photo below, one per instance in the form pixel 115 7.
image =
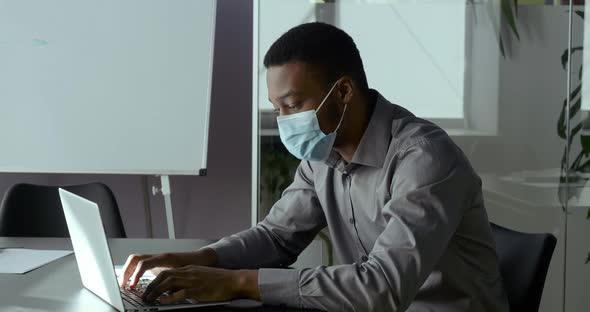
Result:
pixel 133 296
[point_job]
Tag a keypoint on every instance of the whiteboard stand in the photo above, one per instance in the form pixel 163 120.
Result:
pixel 167 193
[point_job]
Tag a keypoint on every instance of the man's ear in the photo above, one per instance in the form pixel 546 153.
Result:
pixel 345 90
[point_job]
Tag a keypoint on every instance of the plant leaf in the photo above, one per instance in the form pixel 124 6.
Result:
pixel 574 109
pixel 575 92
pixel 561 122
pixel 585 141
pixel 509 15
pixel 563 163
pixel 516 8
pixel 561 127
pixel 565 56
pixel 576 162
pixel 575 131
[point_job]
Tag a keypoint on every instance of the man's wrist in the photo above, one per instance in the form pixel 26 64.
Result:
pixel 202 257
pixel 207 257
pixel 246 284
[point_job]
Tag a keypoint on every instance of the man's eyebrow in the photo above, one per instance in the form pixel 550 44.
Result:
pixel 288 94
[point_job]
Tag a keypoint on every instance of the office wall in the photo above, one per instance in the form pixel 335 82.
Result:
pixel 205 207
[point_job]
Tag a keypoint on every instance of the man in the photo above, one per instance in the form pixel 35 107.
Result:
pixel 403 206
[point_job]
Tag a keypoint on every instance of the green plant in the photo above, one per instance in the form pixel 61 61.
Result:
pixel 509 10
pixel 581 163
pixel 277 168
pixel 510 17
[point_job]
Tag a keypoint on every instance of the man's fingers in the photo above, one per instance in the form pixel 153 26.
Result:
pixel 172 283
pixel 129 268
pixel 142 266
pixel 155 283
pixel 176 296
pixel 155 290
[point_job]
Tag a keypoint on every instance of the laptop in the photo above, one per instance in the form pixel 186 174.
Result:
pixel 96 264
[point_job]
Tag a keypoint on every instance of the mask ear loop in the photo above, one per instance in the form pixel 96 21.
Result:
pixel 341 118
pixel 327 95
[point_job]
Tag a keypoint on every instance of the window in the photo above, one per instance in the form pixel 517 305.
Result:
pixel 414 53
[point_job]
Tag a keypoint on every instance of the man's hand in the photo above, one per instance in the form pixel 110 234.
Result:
pixel 137 265
pixel 204 284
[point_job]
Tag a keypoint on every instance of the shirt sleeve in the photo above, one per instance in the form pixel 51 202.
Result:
pixel 286 231
pixel 431 187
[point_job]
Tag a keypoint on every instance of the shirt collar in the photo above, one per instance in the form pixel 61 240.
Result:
pixel 375 141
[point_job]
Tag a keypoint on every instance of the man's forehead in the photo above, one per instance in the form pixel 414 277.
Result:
pixel 294 77
pixel 293 72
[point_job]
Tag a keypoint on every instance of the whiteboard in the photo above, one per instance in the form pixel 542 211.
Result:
pixel 105 86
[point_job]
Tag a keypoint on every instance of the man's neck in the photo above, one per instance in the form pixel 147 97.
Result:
pixel 363 110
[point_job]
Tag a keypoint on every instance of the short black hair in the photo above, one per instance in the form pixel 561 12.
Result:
pixel 322 45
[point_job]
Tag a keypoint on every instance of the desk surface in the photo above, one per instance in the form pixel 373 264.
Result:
pixel 57 286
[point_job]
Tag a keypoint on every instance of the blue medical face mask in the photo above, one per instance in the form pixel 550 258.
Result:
pixel 302 136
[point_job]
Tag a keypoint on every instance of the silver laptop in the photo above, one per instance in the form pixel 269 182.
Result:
pixel 96 264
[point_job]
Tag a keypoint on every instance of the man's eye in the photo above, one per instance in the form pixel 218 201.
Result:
pixel 294 107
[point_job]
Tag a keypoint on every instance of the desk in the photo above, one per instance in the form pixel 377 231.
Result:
pixel 57 286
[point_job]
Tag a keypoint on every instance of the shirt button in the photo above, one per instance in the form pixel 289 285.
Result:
pixel 351 220
pixel 364 258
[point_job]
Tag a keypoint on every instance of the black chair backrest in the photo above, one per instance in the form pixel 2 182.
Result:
pixel 29 210
pixel 524 261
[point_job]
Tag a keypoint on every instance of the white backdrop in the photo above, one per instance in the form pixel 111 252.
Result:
pixel 105 86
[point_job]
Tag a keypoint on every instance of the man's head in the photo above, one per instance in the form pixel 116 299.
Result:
pixel 305 62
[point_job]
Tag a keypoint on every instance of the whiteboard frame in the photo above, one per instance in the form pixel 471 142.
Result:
pixel 255 117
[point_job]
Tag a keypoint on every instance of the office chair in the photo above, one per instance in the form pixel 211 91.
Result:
pixel 524 261
pixel 29 210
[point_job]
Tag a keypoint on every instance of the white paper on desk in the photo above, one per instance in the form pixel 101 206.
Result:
pixel 20 260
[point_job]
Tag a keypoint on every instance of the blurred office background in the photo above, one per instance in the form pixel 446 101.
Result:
pixel 500 82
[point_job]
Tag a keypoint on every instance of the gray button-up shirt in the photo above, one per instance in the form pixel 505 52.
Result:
pixel 407 221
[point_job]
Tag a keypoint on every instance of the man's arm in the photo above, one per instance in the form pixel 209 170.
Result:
pixel 430 191
pixel 290 226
